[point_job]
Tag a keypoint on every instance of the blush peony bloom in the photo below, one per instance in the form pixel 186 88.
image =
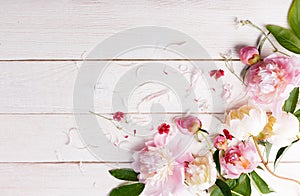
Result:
pixel 188 124
pixel 249 55
pixel 270 81
pixel 246 121
pixel 281 131
pixel 161 173
pixel 239 159
pixel 200 174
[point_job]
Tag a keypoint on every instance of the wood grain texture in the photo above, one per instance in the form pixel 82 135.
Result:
pixel 70 29
pixel 42 47
pixel 93 179
pixel 48 87
pixel 47 138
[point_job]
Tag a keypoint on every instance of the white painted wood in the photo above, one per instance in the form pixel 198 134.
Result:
pixel 46 138
pixel 93 179
pixel 70 29
pixel 48 87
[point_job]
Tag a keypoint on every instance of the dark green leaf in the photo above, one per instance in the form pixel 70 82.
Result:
pixel 291 103
pixel 281 152
pixel 243 186
pixel 294 17
pixel 132 189
pixel 279 155
pixel 297 114
pixel 124 174
pixel 223 186
pixel 260 183
pixel 286 38
pixel 217 191
pixel 217 160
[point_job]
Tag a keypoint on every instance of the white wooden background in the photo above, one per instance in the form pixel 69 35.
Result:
pixel 42 43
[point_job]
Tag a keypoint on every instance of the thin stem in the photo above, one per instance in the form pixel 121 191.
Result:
pixel 275 49
pixel 229 67
pixel 100 115
pixel 267 167
pixel 110 119
pixel 206 140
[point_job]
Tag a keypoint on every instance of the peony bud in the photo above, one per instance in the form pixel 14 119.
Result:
pixel 249 55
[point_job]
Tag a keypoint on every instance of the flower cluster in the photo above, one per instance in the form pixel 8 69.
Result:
pixel 227 163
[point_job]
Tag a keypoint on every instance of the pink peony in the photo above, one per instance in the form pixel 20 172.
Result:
pixel 158 169
pixel 188 125
pixel 239 159
pixel 249 55
pixel 270 81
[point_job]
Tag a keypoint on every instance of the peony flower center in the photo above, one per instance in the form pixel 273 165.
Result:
pixel 157 164
pixel 234 157
pixel 270 78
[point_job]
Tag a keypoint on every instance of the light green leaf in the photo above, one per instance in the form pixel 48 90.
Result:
pixel 223 186
pixel 294 17
pixel 286 38
pixel 124 174
pixel 260 183
pixel 132 189
pixel 291 103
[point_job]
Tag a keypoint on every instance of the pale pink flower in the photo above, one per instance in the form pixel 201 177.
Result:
pixel 158 169
pixel 188 124
pixel 200 173
pixel 270 81
pixel 239 159
pixel 249 55
pixel 118 116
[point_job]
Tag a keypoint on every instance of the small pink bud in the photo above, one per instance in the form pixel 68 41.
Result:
pixel 220 142
pixel 249 55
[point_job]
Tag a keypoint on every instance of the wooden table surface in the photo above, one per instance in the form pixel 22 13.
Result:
pixel 42 46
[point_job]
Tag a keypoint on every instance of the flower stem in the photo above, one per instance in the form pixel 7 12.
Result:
pixel 275 49
pixel 206 140
pixel 267 167
pixel 110 119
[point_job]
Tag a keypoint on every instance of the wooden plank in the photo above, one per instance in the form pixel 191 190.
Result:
pixel 48 87
pixel 93 179
pixel 70 29
pixel 52 138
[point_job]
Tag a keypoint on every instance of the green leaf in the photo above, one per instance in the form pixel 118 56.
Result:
pixel 260 183
pixel 243 186
pixel 217 160
pixel 285 37
pixel 281 152
pixel 297 114
pixel 291 103
pixel 223 186
pixel 279 155
pixel 217 191
pixel 132 189
pixel 268 147
pixel 294 17
pixel 124 174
